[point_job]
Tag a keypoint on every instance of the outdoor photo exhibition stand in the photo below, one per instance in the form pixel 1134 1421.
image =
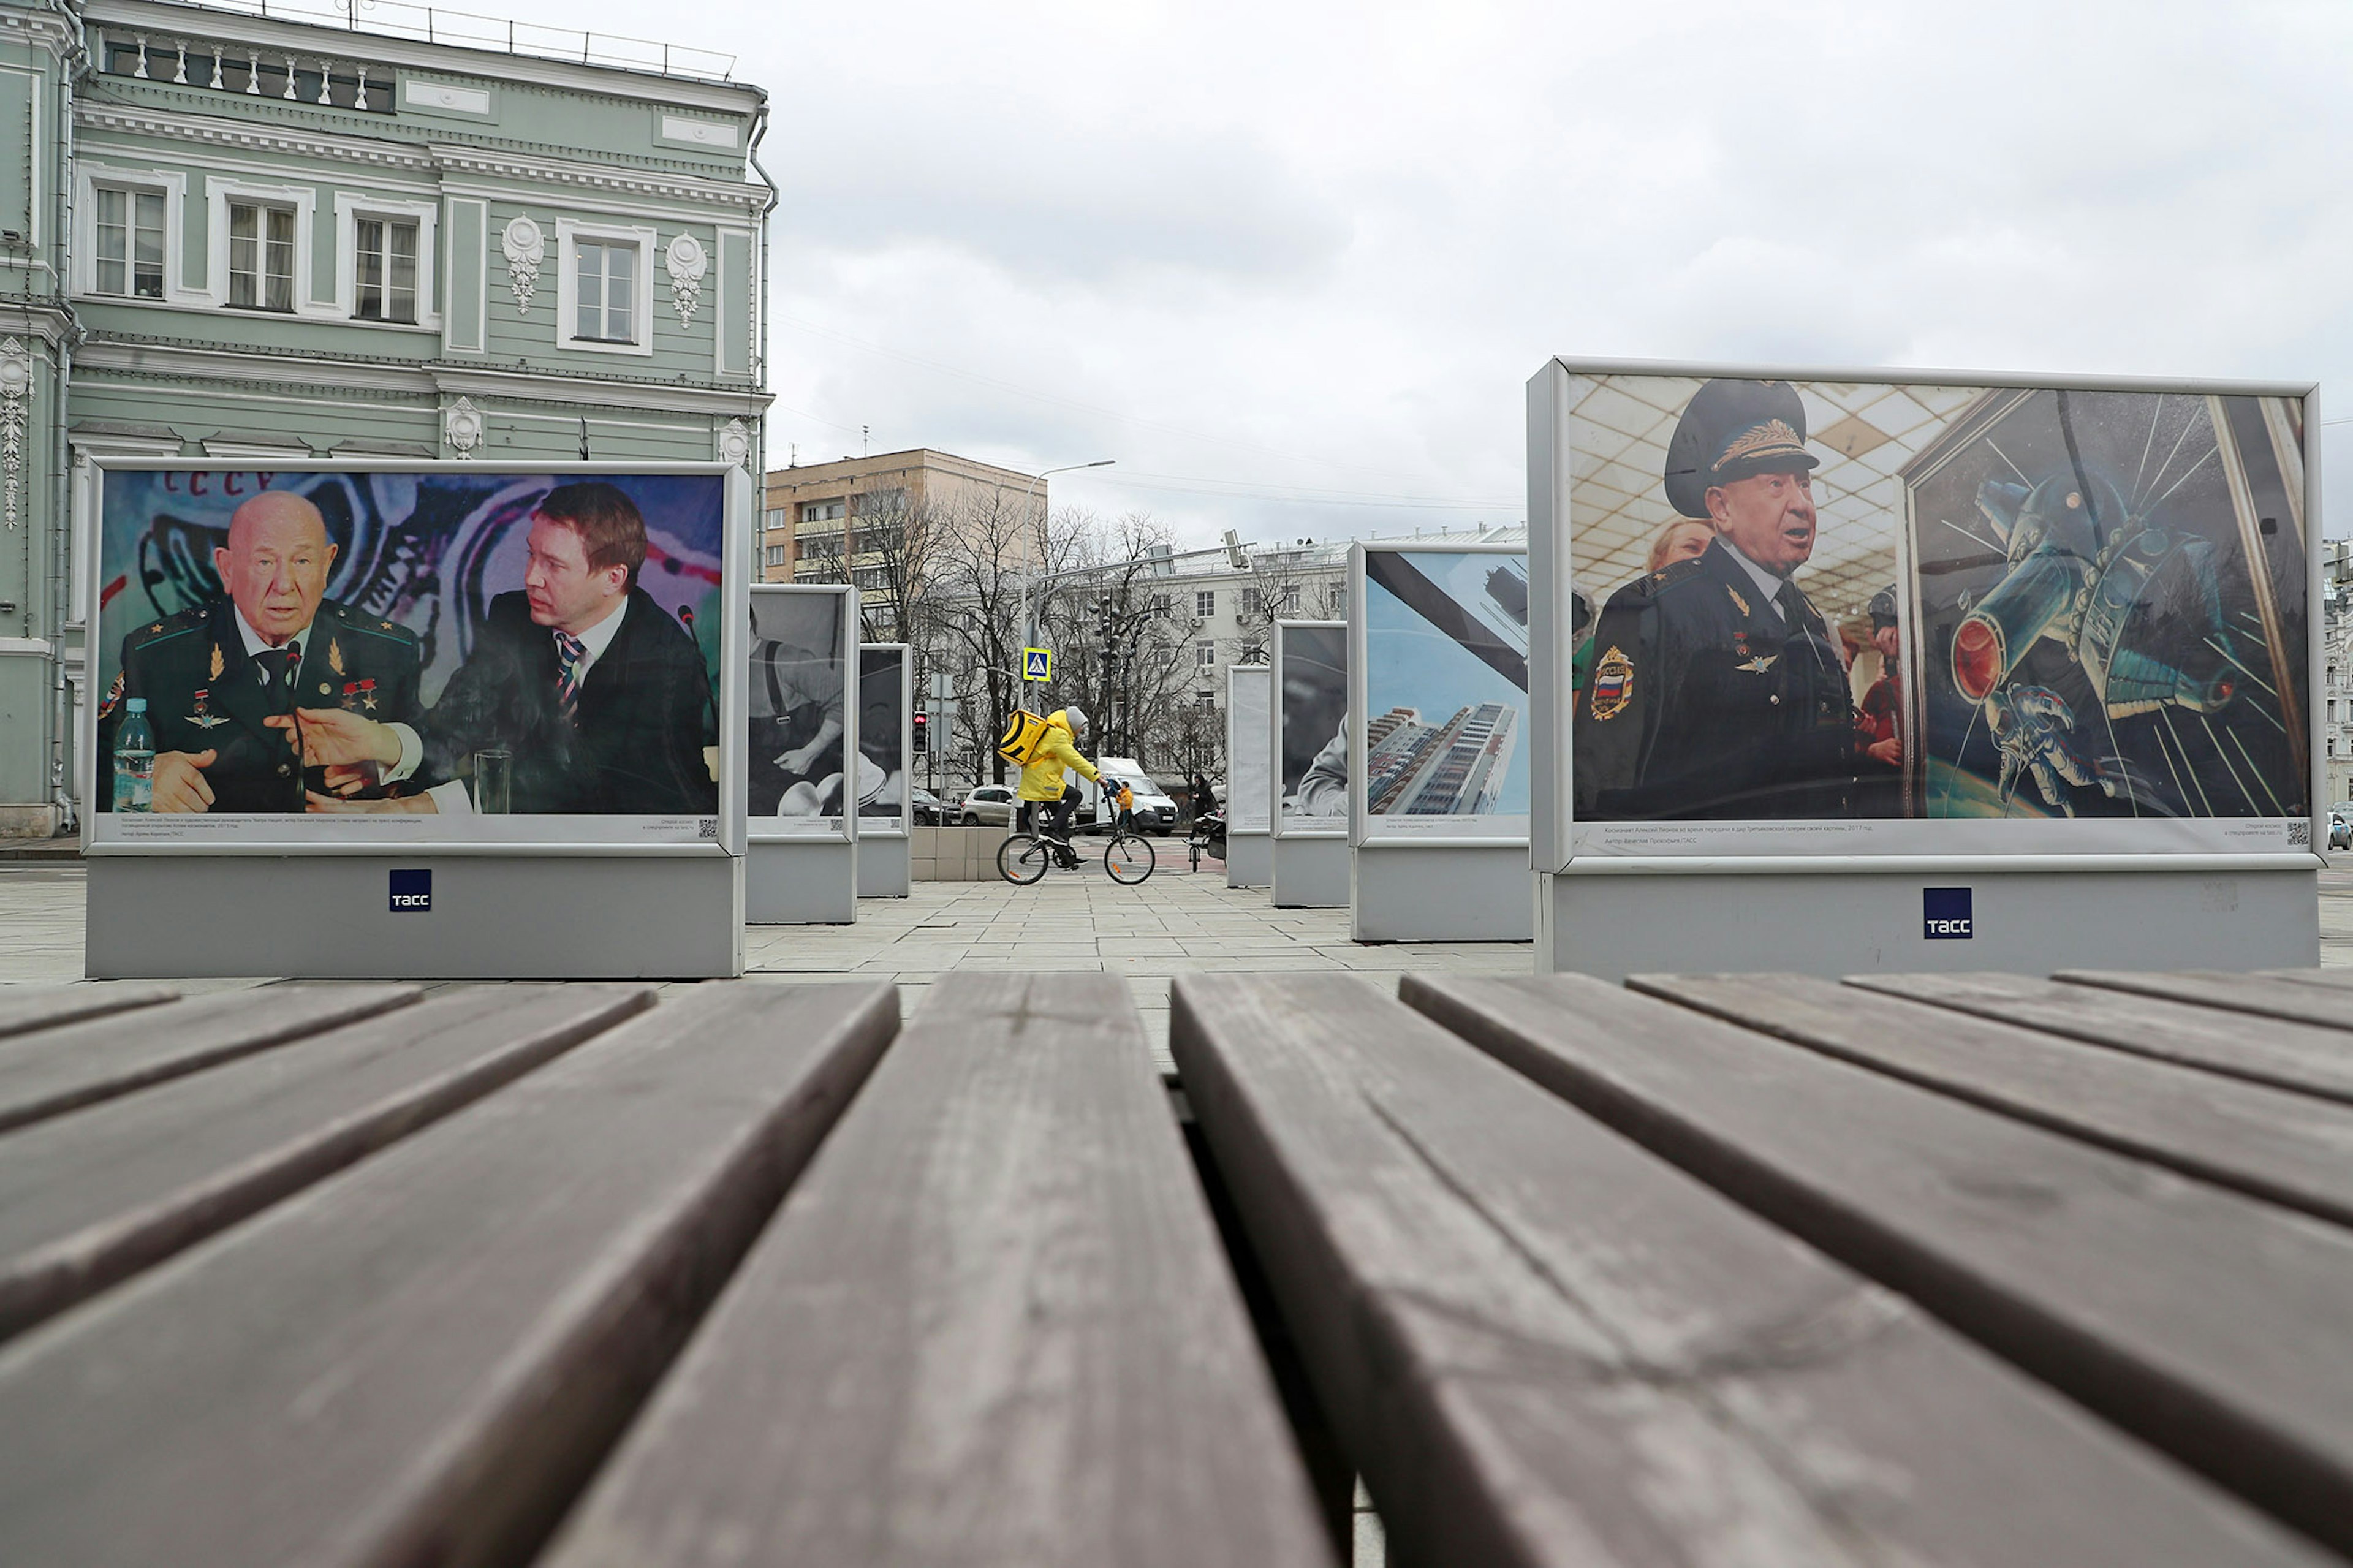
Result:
pixel 886 743
pixel 801 755
pixel 1438 820
pixel 1249 847
pixel 1850 671
pixel 1309 776
pixel 489 829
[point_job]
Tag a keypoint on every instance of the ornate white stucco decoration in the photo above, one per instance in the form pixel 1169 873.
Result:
pixel 735 444
pixel 526 247
pixel 687 261
pixel 462 427
pixel 15 384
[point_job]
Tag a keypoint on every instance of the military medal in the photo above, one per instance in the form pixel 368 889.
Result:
pixel 351 693
pixel 1761 664
pixel 203 719
pixel 1613 684
pixel 367 694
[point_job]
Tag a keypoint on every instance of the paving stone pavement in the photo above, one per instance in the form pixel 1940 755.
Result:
pixel 1177 923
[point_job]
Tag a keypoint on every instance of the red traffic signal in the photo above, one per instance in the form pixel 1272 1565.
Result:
pixel 923 728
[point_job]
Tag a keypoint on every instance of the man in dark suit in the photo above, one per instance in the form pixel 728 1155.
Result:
pixel 601 699
pixel 222 679
pixel 1717 689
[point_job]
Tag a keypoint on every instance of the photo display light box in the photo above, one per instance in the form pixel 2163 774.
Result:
pixel 1926 622
pixel 349 669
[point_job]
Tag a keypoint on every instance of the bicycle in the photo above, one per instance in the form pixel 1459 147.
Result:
pixel 1024 857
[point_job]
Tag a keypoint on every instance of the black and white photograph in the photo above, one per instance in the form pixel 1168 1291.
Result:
pixel 882 782
pixel 799 712
pixel 1311 668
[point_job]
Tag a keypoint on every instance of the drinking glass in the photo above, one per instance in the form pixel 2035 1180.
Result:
pixel 493 776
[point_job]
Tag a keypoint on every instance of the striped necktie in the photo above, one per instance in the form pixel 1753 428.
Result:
pixel 569 651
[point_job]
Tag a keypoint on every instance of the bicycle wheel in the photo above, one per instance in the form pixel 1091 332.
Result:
pixel 1022 860
pixel 1129 858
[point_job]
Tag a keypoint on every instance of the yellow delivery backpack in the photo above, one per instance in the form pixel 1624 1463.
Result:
pixel 1024 735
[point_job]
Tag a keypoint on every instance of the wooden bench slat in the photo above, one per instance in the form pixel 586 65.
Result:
pixel 993 1325
pixel 62 1069
pixel 25 1008
pixel 2206 1322
pixel 89 1199
pixel 2306 1057
pixel 2277 994
pixel 1545 1346
pixel 421 1358
pixel 2288 1148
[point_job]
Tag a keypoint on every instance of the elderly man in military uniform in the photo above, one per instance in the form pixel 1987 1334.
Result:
pixel 223 681
pixel 1718 691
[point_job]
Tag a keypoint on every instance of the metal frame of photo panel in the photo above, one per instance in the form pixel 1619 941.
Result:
pixel 1235 672
pixel 1361 829
pixel 1274 742
pixel 906 733
pixel 1550 521
pixel 737 501
pixel 848 651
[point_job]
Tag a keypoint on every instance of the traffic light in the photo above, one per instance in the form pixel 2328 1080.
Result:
pixel 922 731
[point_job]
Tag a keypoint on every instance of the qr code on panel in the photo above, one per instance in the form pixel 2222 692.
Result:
pixel 707 827
pixel 2300 833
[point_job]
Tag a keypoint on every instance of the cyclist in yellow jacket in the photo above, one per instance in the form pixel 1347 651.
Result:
pixel 1043 781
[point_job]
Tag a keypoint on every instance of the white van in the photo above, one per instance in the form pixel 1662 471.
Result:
pixel 1155 811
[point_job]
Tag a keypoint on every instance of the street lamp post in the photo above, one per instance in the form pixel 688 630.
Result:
pixel 1038 563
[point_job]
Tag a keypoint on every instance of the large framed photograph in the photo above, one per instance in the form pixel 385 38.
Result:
pixel 1934 616
pixel 1249 786
pixel 1311 729
pixel 458 656
pixel 804 768
pixel 885 718
pixel 1439 669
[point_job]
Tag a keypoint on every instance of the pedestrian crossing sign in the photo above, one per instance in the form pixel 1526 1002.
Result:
pixel 1037 664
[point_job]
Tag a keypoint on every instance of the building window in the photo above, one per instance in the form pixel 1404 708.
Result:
pixel 1204 653
pixel 1209 701
pixel 871 577
pixel 821 510
pixel 260 256
pixel 1291 598
pixel 605 303
pixel 604 280
pixel 1205 603
pixel 129 244
pixel 387 252
pixel 775 517
pixel 775 555
pixel 1249 601
pixel 1339 593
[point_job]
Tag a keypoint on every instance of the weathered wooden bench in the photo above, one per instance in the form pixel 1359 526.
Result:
pixel 1722 1270
pixel 362 1275
pixel 1760 1270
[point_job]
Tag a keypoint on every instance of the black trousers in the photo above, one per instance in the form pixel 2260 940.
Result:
pixel 1052 818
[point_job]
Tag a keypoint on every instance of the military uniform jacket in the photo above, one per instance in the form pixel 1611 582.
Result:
pixel 645 714
pixel 1703 702
pixel 204 692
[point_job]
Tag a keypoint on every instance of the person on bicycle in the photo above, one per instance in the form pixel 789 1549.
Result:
pixel 1042 784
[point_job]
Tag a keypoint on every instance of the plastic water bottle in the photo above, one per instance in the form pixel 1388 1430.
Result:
pixel 134 759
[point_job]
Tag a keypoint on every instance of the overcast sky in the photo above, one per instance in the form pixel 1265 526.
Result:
pixel 1292 265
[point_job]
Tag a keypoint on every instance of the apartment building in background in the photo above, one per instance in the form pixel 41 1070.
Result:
pixel 374 232
pixel 844 520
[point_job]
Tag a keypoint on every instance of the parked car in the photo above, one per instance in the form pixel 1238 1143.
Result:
pixel 2340 832
pixel 924 806
pixel 988 806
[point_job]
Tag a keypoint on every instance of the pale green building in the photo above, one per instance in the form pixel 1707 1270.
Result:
pixel 263 237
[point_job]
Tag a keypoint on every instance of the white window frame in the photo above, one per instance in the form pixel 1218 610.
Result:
pixel 569 232
pixel 353 205
pixel 1204 604
pixel 304 201
pixel 89 179
pixel 1205 655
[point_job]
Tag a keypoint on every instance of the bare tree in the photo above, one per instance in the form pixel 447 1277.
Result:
pixel 1127 634
pixel 1300 583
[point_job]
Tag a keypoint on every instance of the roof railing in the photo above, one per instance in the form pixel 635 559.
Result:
pixel 466 29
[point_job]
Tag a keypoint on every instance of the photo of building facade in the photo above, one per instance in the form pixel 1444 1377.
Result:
pixel 1455 768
